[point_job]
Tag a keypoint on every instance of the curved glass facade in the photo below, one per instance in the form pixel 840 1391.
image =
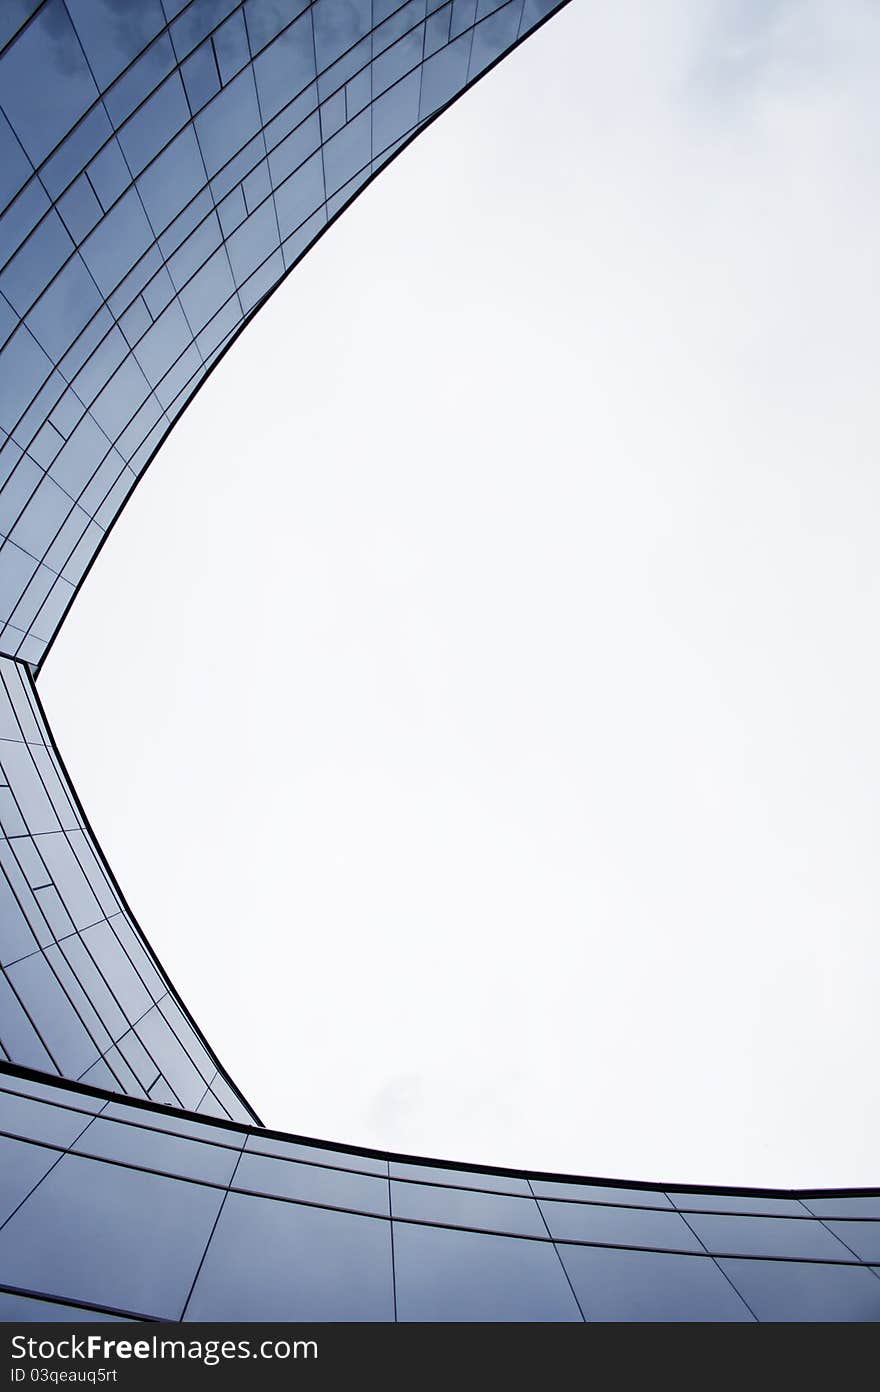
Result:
pixel 163 165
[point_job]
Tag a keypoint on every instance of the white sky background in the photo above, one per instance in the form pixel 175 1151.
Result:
pixel 478 700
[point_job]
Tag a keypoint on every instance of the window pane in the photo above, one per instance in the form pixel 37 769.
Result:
pixel 467 1179
pixel 22 1166
pixel 599 1193
pixel 113 1140
pixel 321 1155
pixel 767 1237
pixel 118 1237
pixel 444 1274
pixel 860 1206
pixel 270 1260
pixel 862 1238
pixel 467 1208
pixel 312 1183
pixel 787 1290
pixel 612 1284
pixel 42 1121
pixel 631 1227
pixel 739 1203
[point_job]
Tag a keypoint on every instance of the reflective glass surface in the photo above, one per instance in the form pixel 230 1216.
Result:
pixel 445 1274
pixel 286 1261
pixel 612 1284
pixel 786 1290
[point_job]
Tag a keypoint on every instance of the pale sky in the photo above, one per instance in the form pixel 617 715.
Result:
pixel 478 699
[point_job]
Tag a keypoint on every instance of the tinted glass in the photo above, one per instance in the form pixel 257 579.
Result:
pixel 467 1208
pixel 22 1166
pixel 612 1284
pixel 139 1145
pixel 445 1274
pixel 599 1193
pixel 767 1237
pixel 270 1260
pixel 312 1183
pixel 296 1150
pixel 861 1238
pixel 634 1227
pixel 105 1234
pixel 789 1290
pixel 739 1203
pixel 467 1179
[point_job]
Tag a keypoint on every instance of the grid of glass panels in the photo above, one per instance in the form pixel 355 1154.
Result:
pixel 200 1220
pixel 81 993
pixel 162 165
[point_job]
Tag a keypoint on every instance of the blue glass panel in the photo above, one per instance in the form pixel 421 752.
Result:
pixel 858 1206
pixel 154 124
pixel 80 209
pixel 51 1091
pixel 631 1227
pixel 21 1041
pixel 200 76
pixel 788 1290
pixel 444 75
pixel 338 25
pixel 614 1284
pixel 158 1150
pixel 22 1166
pixel 64 309
pixel 16 938
pixel 172 180
pixel 494 36
pixel 20 220
pixel 300 195
pixel 298 1150
pixel 396 112
pixel 265 18
pixel 600 1193
pixel 172 1059
pixel 448 1274
pixel 767 1237
pixel 145 1237
pixel 231 46
pixel 467 1208
pixel 13 15
pixel 285 69
pixel 196 21
pixel 312 1183
pixel 114 33
pixel 862 1238
pixel 228 122
pixel 33 267
pixel 117 242
pixel 61 1027
pixel 43 111
pixel 23 367
pixel 15 167
pixel 468 1179
pixel 40 1120
pixel 270 1260
pixel 740 1203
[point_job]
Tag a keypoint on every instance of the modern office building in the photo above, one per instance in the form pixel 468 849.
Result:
pixel 163 165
